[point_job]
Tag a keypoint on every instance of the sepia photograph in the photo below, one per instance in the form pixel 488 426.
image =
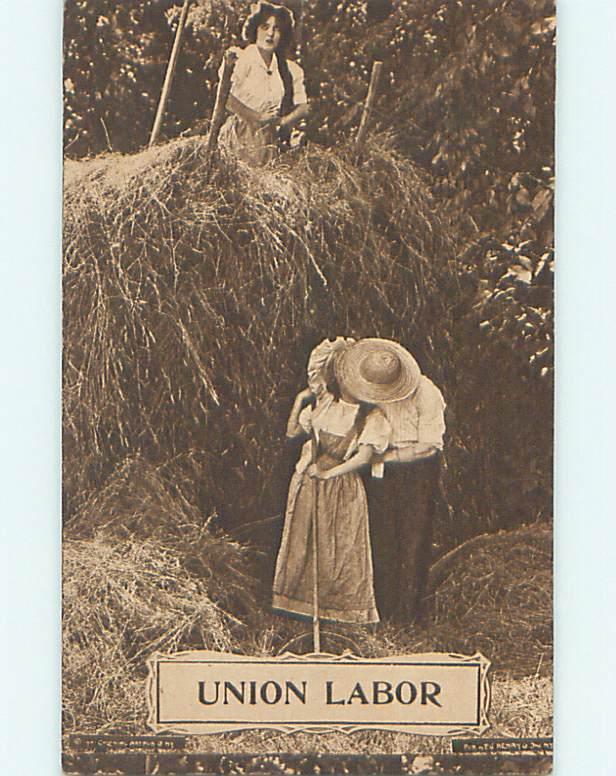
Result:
pixel 308 386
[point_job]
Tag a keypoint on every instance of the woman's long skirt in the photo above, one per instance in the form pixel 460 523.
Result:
pixel 346 591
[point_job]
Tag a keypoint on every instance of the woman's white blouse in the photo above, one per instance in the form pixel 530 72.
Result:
pixel 259 87
pixel 337 417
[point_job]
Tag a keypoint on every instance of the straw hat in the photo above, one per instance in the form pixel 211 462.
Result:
pixel 377 371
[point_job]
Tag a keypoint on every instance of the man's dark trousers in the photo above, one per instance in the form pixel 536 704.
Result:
pixel 402 508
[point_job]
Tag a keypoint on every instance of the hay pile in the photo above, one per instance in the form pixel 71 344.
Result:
pixel 494 594
pixel 193 295
pixel 142 501
pixel 144 571
pixel 122 601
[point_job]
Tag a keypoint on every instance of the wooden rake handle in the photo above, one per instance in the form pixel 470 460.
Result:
pixel 316 625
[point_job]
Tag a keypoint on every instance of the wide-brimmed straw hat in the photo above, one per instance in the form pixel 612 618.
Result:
pixel 377 371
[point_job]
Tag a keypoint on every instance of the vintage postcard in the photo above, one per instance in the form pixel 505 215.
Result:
pixel 308 386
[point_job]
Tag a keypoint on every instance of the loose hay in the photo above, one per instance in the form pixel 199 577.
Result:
pixel 494 594
pixel 144 571
pixel 143 501
pixel 122 601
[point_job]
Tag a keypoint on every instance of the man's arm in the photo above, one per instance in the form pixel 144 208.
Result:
pixel 430 428
pixel 416 452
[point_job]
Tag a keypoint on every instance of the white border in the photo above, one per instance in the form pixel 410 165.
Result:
pixel 30 199
pixel 585 677
pixel 30 76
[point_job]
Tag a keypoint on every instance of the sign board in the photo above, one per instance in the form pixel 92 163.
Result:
pixel 211 692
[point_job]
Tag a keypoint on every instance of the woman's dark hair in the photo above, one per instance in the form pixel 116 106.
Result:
pixel 260 15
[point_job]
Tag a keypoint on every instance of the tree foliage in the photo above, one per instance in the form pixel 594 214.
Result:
pixel 503 366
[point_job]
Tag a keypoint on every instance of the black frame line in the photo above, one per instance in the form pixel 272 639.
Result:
pixel 286 723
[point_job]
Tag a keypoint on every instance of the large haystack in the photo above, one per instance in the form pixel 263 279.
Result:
pixel 192 296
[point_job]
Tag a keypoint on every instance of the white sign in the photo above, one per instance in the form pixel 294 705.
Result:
pixel 213 692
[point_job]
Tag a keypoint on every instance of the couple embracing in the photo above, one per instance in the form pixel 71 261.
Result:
pixel 371 416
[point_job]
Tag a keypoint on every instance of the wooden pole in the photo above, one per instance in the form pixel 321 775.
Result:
pixel 316 625
pixel 222 95
pixel 299 33
pixel 365 116
pixel 173 59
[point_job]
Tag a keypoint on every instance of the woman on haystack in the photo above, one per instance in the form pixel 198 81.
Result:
pixel 347 432
pixel 267 97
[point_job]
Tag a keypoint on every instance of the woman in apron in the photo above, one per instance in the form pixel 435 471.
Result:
pixel 267 97
pixel 345 435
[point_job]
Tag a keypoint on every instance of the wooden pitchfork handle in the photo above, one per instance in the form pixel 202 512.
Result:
pixel 170 72
pixel 222 95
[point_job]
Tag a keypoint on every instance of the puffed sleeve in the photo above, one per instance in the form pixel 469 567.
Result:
pixel 240 69
pixel 299 89
pixel 376 432
pixel 305 419
pixel 431 414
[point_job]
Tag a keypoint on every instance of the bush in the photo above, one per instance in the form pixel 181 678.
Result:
pixel 503 367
